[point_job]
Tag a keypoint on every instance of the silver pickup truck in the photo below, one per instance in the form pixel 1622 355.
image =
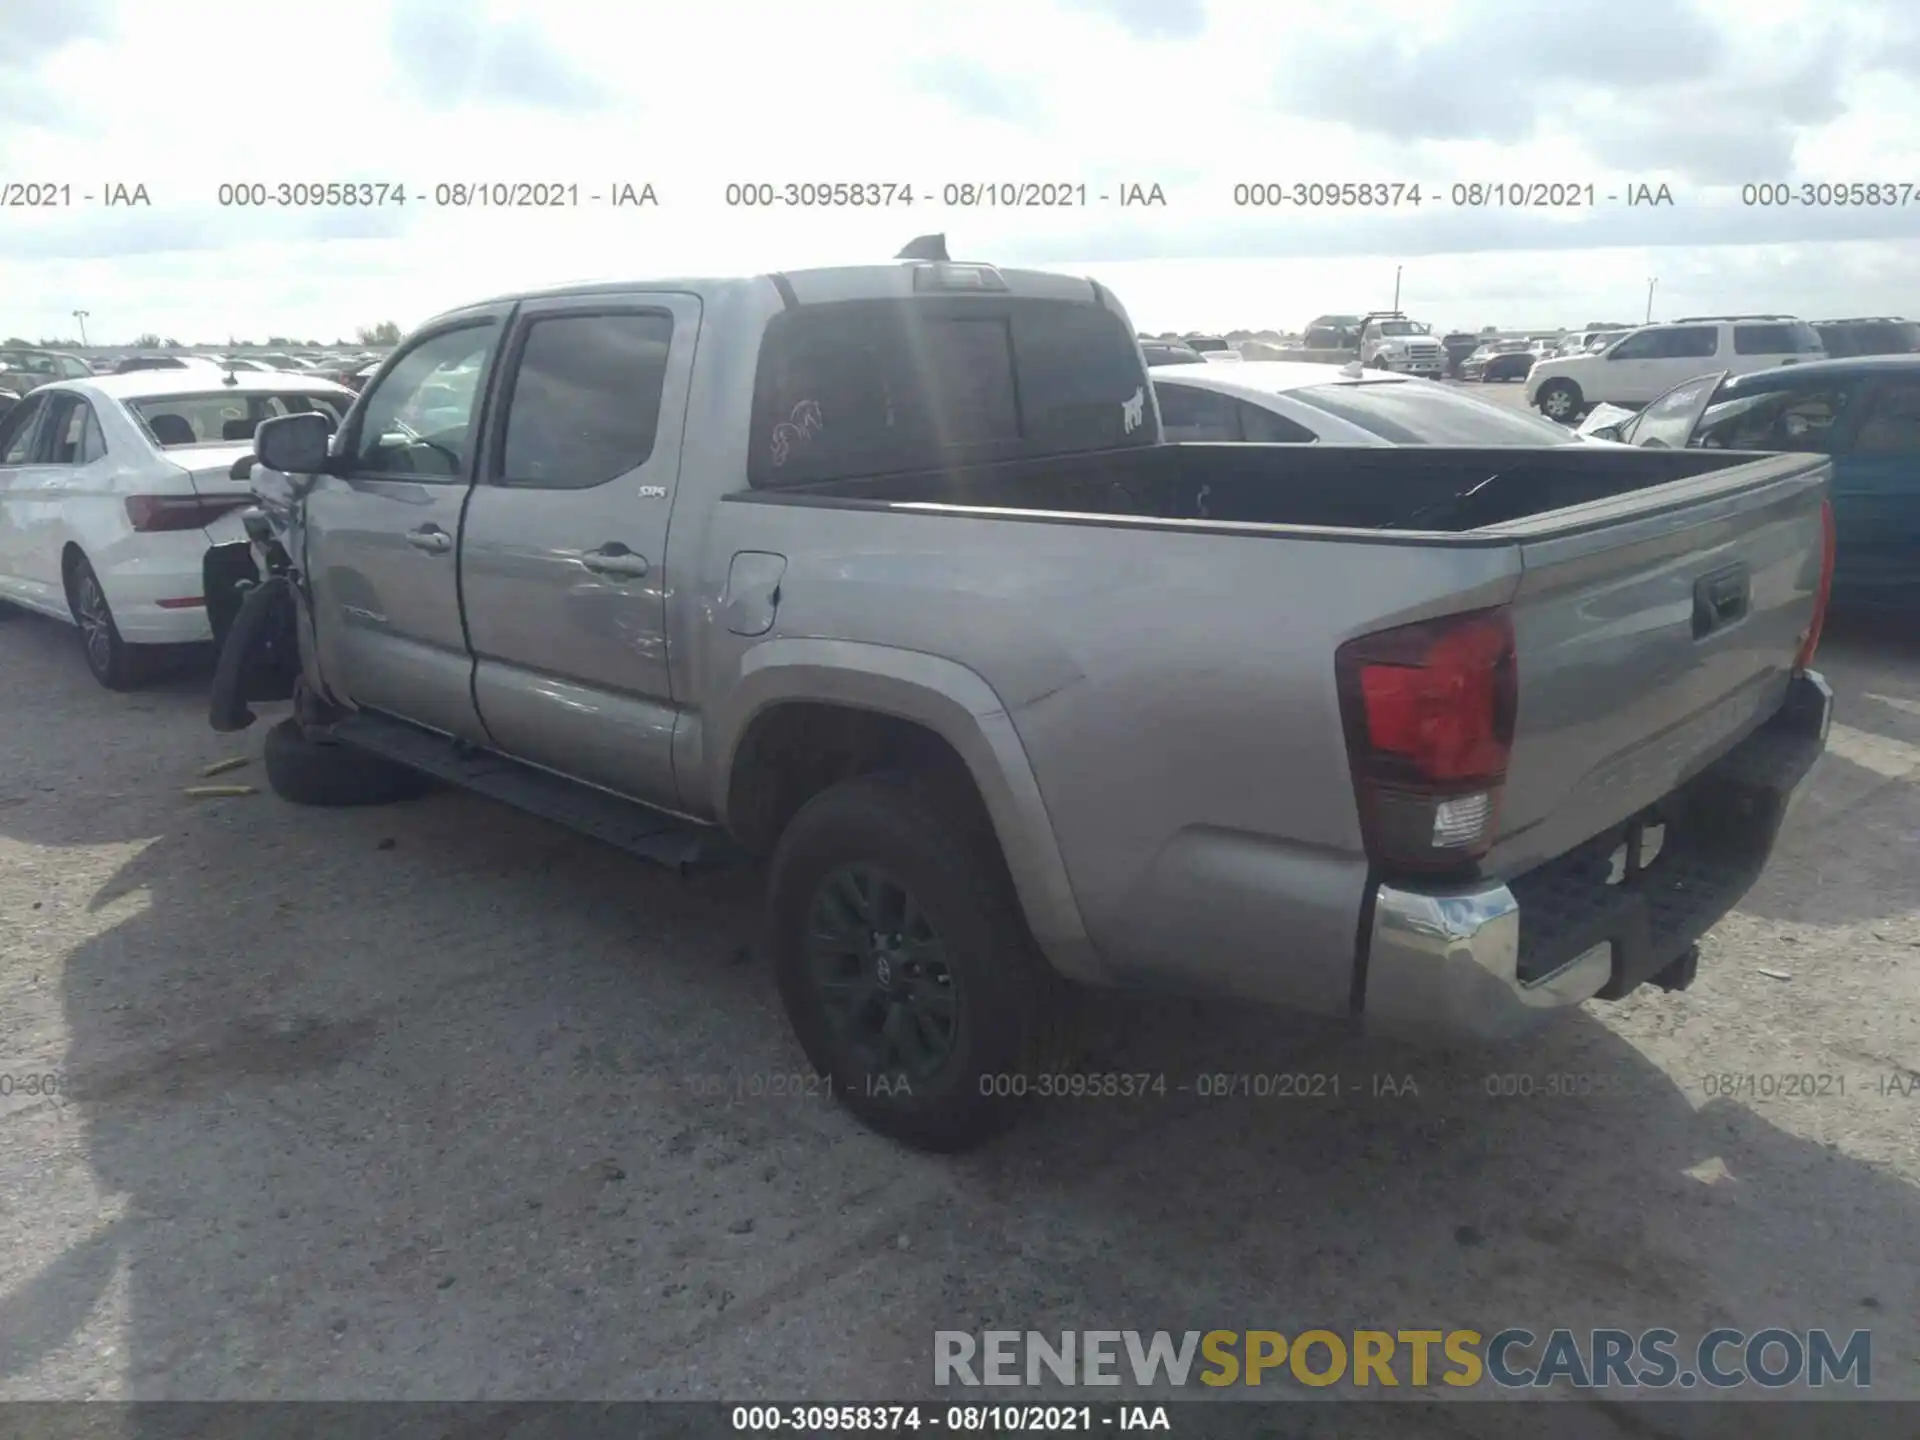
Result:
pixel 884 575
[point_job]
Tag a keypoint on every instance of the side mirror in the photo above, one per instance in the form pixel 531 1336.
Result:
pixel 294 444
pixel 242 469
pixel 1605 432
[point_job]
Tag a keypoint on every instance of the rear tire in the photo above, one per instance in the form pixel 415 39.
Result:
pixel 905 964
pixel 313 772
pixel 110 659
pixel 1559 400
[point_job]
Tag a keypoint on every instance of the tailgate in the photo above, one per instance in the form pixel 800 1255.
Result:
pixel 1652 631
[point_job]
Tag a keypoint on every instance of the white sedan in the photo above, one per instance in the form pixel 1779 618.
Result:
pixel 113 488
pixel 1292 402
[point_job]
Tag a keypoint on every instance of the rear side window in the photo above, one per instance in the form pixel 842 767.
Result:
pixel 585 404
pixel 869 387
pixel 1692 342
pixel 69 421
pixel 1188 412
pixel 1267 428
pixel 1790 338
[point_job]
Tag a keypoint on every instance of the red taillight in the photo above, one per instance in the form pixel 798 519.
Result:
pixel 1429 712
pixel 152 513
pixel 1824 594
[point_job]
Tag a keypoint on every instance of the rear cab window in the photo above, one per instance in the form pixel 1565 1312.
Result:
pixel 853 388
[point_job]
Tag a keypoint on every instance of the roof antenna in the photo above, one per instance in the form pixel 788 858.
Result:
pixel 926 247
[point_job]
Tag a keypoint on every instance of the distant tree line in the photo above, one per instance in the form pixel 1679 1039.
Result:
pixel 385 333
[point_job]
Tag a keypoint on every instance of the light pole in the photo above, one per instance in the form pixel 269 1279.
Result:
pixel 81 316
pixel 1652 280
pixel 1396 289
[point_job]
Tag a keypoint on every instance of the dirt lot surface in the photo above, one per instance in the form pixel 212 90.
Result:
pixel 440 1101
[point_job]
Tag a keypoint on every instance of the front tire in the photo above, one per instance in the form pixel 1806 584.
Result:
pixel 1559 400
pixel 111 660
pixel 314 772
pixel 904 962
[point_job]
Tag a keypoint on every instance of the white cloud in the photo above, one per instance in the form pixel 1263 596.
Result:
pixel 184 98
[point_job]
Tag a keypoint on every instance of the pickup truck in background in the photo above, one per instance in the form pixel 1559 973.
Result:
pixel 884 574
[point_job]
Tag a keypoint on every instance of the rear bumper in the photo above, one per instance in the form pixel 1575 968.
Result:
pixel 153 583
pixel 1492 960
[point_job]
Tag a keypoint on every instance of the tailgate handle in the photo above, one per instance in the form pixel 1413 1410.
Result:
pixel 1720 599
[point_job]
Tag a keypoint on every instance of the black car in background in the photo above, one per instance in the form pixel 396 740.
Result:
pixel 1458 346
pixel 1500 360
pixel 1208 344
pixel 1869 335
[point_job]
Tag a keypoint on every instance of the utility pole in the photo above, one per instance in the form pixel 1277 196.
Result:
pixel 1652 280
pixel 81 316
pixel 1396 288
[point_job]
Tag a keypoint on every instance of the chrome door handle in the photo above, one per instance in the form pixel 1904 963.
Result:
pixel 430 538
pixel 615 560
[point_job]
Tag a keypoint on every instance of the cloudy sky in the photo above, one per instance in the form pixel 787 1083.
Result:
pixel 1197 96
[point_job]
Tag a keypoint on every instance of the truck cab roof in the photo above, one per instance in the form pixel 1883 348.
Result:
pixel 902 279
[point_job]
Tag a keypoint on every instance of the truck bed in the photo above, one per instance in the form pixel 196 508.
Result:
pixel 1427 489
pixel 1202 591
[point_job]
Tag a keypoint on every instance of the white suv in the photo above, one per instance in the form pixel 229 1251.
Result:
pixel 1650 361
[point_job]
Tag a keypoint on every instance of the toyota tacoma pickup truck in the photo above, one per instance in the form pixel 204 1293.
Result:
pixel 885 576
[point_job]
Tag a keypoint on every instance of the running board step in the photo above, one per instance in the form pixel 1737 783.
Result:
pixel 638 829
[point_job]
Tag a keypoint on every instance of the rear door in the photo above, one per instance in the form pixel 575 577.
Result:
pixel 1876 492
pixel 65 494
pixel 382 535
pixel 563 559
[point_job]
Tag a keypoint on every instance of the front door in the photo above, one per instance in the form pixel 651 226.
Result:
pixel 382 535
pixel 1876 494
pixel 564 558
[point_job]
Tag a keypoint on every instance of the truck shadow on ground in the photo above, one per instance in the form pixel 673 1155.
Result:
pixel 432 1101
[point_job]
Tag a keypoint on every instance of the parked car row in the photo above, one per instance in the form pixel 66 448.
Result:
pixel 821 567
pixel 112 489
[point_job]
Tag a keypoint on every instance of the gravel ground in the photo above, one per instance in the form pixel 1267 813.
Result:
pixel 440 1101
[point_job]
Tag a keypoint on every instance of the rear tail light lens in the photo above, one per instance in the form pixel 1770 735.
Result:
pixel 1823 596
pixel 1429 713
pixel 154 513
